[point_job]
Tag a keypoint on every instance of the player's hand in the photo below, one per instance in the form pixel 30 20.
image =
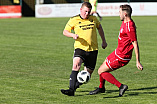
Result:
pixel 104 45
pixel 75 36
pixel 139 66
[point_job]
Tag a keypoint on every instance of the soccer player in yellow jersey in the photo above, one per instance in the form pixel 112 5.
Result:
pixel 86 46
pixel 94 8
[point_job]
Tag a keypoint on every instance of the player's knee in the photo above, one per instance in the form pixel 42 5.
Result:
pixel 103 69
pixel 76 67
pixel 99 72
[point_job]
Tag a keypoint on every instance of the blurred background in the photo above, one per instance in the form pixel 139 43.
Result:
pixel 26 8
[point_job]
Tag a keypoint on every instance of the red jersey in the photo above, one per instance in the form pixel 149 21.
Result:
pixel 127 35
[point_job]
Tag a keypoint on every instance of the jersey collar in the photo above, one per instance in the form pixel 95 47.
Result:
pixel 82 18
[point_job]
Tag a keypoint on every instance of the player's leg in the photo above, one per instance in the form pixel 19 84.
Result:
pixel 99 16
pixel 89 70
pixel 91 13
pixel 104 68
pixel 77 61
pixel 89 64
pixel 78 84
pixel 94 10
pixel 104 73
pixel 110 64
pixel 101 88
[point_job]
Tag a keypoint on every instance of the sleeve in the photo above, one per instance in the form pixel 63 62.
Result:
pixel 132 32
pixel 97 23
pixel 69 26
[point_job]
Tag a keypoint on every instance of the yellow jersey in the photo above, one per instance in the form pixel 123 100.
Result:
pixel 86 30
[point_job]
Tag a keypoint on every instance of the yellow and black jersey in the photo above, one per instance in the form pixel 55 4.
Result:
pixel 86 30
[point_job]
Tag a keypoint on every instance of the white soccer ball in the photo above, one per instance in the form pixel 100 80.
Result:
pixel 83 76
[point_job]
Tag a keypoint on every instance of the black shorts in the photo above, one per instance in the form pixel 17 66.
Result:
pixel 89 58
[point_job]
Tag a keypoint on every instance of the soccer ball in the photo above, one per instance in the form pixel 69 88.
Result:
pixel 83 76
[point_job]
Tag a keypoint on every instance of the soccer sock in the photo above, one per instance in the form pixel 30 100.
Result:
pixel 77 85
pixel 73 79
pixel 102 82
pixel 110 78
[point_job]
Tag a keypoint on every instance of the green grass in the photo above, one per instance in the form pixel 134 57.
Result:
pixel 36 61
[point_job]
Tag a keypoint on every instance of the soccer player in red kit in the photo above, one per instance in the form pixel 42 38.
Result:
pixel 127 41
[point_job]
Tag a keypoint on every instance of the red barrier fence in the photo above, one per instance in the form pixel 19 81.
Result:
pixel 10 11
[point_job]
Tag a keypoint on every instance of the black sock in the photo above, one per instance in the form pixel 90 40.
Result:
pixel 73 80
pixel 77 85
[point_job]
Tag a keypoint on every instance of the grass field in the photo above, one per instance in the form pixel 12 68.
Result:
pixel 36 61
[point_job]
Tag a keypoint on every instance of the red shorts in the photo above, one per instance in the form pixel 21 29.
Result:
pixel 114 62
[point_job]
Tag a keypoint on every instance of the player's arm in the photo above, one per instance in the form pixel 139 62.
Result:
pixel 69 34
pixel 67 30
pixel 136 48
pixel 101 33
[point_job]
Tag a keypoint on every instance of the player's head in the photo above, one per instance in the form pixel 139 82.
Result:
pixel 85 10
pixel 125 11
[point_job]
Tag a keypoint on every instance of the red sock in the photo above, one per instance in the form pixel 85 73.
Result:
pixel 110 78
pixel 102 82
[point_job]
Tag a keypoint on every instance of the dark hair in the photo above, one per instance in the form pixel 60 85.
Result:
pixel 86 4
pixel 127 8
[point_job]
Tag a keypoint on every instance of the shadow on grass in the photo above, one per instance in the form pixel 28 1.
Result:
pixel 129 92
pixel 133 92
pixel 148 88
pixel 144 91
